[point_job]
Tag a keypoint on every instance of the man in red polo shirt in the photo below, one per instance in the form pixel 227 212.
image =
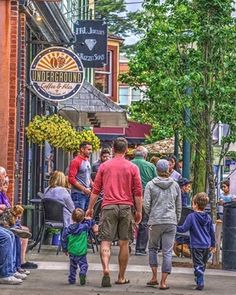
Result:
pixel 122 189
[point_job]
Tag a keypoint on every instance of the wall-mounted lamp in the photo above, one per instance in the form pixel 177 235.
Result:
pixel 38 17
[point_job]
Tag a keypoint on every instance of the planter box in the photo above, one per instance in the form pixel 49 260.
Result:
pixel 56 238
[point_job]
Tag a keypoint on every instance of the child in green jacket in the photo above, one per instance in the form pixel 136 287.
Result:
pixel 75 244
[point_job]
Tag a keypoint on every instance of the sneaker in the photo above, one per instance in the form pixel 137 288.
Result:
pixel 82 279
pixel 21 233
pixel 71 282
pixel 140 253
pixel 10 281
pixel 199 287
pixel 29 265
pixel 20 276
pixel 24 271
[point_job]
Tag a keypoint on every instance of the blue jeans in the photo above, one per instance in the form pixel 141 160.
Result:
pixel 80 200
pixel 8 253
pixel 18 252
pixel 143 233
pixel 74 262
pixel 200 257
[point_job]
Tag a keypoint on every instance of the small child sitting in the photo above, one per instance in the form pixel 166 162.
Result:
pixel 202 236
pixel 10 216
pixel 10 219
pixel 75 243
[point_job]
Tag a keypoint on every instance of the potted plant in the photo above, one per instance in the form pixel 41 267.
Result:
pixel 54 236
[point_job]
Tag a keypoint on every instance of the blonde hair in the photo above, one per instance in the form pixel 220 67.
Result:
pixel 201 200
pixel 78 215
pixel 67 185
pixel 17 210
pixel 58 178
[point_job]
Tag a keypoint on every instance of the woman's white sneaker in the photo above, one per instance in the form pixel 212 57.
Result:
pixel 20 276
pixel 10 281
pixel 24 271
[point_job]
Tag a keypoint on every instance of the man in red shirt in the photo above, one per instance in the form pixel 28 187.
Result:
pixel 79 176
pixel 122 189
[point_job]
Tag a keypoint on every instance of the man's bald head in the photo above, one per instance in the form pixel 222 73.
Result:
pixel 141 151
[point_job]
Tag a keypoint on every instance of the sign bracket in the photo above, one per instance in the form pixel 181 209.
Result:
pixel 38 42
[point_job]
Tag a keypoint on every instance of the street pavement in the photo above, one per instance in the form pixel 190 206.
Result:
pixel 51 278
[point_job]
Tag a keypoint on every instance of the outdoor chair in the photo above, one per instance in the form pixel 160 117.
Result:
pixel 40 195
pixel 97 210
pixel 181 245
pixel 52 218
pixel 96 215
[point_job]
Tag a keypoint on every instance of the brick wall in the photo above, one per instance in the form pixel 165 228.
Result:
pixel 14 15
pixel 5 28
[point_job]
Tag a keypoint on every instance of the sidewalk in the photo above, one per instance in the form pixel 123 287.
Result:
pixel 51 278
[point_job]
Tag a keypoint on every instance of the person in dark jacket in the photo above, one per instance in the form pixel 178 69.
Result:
pixel 185 186
pixel 74 244
pixel 202 236
pixel 105 155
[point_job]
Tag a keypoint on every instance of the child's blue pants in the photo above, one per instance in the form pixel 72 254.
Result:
pixel 200 257
pixel 76 261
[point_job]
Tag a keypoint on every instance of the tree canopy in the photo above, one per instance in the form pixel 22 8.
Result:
pixel 120 21
pixel 187 60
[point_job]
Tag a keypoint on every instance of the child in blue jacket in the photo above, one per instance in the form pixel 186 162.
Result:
pixel 75 244
pixel 202 236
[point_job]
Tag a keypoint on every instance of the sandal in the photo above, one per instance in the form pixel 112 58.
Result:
pixel 122 282
pixel 164 288
pixel 106 281
pixel 152 283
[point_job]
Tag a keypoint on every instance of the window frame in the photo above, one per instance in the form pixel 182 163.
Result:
pixel 109 72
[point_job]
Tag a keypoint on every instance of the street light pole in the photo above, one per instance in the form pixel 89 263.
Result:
pixel 184 51
pixel 176 145
pixel 186 146
pixel 186 143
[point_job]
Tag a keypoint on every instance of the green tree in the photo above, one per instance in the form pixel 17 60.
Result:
pixel 115 14
pixel 187 61
pixel 140 112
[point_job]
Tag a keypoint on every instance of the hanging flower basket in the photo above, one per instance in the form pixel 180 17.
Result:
pixel 59 133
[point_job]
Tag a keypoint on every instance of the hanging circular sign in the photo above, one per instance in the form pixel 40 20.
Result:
pixel 57 73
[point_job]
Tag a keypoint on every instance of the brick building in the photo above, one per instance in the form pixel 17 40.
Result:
pixel 9 26
pixel 26 28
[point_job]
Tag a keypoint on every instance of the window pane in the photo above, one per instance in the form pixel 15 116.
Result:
pixel 136 95
pixel 124 95
pixel 102 83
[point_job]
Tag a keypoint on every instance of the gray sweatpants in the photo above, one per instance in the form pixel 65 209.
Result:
pixel 164 233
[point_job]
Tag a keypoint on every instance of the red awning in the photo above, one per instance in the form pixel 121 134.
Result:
pixel 134 133
pixel 109 131
pixel 137 130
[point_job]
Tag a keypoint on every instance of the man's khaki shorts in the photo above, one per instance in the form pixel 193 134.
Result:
pixel 115 222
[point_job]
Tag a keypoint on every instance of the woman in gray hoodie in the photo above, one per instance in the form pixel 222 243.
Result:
pixel 162 202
